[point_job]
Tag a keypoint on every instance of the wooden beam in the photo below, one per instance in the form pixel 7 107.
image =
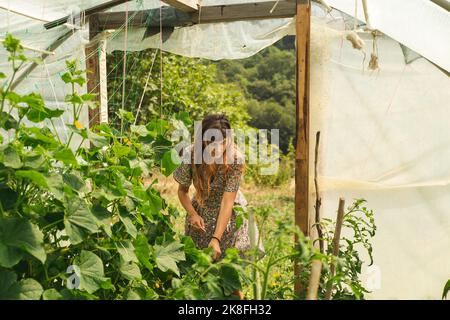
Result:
pixel 184 5
pixel 246 11
pixel 303 18
pixel 314 280
pixel 336 240
pixel 207 14
pixel 87 12
pixel 302 117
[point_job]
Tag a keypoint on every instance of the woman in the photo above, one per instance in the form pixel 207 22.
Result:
pixel 215 167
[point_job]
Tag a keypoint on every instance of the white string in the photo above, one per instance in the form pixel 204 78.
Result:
pixel 56 98
pixel 125 56
pixel 145 88
pixel 161 60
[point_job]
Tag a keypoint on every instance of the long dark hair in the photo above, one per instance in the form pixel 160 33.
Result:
pixel 203 172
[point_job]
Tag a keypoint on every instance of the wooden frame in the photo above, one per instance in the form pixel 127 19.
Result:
pixel 184 5
pixel 207 14
pixel 302 213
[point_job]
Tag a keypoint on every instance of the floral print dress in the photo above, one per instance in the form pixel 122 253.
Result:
pixel 232 236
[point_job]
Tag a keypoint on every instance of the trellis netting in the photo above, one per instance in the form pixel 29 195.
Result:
pixel 384 133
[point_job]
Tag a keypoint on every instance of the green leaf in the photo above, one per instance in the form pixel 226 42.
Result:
pixel 7 121
pixel 79 220
pixel 155 202
pixel 90 271
pixel 168 256
pixel 125 115
pixel 97 140
pixel 18 235
pixel 142 251
pixel 8 198
pixel 66 156
pixel 230 279
pixel 140 130
pixel 56 186
pixel 26 289
pixel 130 270
pixel 446 290
pixel 11 158
pixel 170 161
pixel 37 111
pixel 88 96
pixel 11 44
pixel 52 294
pixel 133 295
pixel 34 176
pixel 120 150
pixel 104 219
pixel 34 161
pixel 66 77
pixel 126 251
pixel 74 99
pixel 75 181
pixel 125 217
pixel 184 116
pixel 7 279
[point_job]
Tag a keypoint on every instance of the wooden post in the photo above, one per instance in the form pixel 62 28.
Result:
pixel 336 240
pixel 302 123
pixel 314 280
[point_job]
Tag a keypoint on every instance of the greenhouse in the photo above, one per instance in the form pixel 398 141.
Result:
pixel 96 95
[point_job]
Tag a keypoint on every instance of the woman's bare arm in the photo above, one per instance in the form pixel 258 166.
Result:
pixel 226 208
pixel 194 217
pixel 183 196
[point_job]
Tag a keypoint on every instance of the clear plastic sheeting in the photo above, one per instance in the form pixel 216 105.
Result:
pixel 385 138
pixel 421 25
pixel 214 41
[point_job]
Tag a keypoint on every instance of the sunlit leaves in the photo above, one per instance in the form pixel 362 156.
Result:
pixel 90 271
pixel 170 162
pixel 78 220
pixel 168 255
pixel 66 156
pixel 33 176
pixel 87 212
pixel 25 289
pixel 10 157
pixel 127 221
pixel 142 251
pixel 37 111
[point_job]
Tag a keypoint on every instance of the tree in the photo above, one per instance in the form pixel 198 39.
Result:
pixel 187 85
pixel 267 80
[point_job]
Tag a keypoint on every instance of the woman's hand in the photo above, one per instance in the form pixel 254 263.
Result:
pixel 197 222
pixel 214 244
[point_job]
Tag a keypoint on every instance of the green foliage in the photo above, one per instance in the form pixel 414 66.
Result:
pixel 188 85
pixel 269 273
pixel 358 229
pixel 283 175
pixel 446 290
pixel 267 80
pixel 79 223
